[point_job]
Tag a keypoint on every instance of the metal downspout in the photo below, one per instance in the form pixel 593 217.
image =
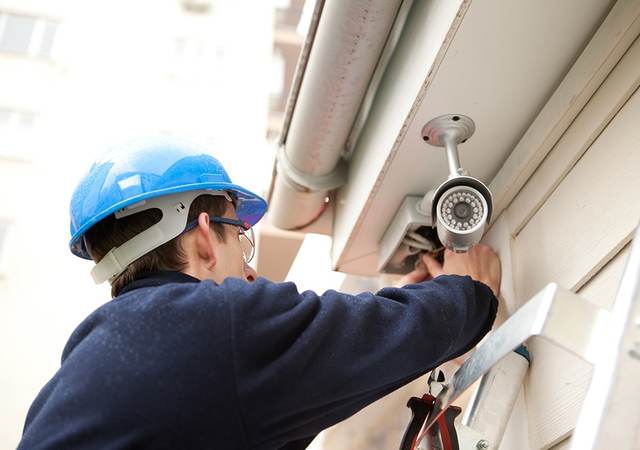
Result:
pixel 343 49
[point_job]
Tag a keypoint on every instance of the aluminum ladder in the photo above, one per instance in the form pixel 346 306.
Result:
pixel 608 339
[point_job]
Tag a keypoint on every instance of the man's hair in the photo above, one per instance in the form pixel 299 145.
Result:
pixel 111 232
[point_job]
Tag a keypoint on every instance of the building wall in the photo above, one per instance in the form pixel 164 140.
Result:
pixel 571 223
pixel 28 76
pixel 188 75
pixel 578 235
pixel 288 38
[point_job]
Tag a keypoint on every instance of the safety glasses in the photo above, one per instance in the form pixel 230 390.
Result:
pixel 245 234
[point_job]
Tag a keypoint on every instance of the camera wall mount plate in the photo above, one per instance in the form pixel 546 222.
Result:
pixel 448 129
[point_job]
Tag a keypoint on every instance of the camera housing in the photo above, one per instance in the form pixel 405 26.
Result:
pixel 461 210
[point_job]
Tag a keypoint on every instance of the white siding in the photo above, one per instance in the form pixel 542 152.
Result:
pixel 589 217
pixel 567 206
pixel 571 224
pixel 564 386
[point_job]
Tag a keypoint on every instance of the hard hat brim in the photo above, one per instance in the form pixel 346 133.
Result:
pixel 250 208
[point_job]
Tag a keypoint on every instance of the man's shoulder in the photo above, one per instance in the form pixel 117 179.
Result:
pixel 153 314
pixel 176 295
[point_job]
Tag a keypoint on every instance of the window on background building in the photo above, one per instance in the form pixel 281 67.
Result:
pixel 180 46
pixel 4 232
pixel 287 13
pixel 26 120
pixel 16 33
pixel 27 35
pixel 5 118
pixel 276 91
pixel 16 120
pixel 16 133
pixel 193 49
pixel 196 58
pixel 282 11
pixel 48 34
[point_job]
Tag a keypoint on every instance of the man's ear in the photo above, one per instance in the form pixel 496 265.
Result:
pixel 206 245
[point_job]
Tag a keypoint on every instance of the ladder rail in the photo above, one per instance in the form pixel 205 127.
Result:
pixel 545 315
pixel 610 416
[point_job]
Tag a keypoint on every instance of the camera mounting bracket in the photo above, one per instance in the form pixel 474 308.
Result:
pixel 448 131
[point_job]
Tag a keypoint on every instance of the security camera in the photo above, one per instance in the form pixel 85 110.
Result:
pixel 454 215
pixel 461 206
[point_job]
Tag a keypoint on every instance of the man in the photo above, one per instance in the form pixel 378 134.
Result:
pixel 195 351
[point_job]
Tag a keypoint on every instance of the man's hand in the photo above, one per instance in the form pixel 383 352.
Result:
pixel 420 273
pixel 481 263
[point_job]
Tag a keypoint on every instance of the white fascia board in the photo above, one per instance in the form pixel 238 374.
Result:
pixel 496 61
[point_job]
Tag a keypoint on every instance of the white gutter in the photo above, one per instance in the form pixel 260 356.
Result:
pixel 335 70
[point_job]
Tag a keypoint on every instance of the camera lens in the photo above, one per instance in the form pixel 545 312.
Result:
pixel 462 209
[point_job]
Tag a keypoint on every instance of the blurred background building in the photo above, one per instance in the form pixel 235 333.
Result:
pixel 77 77
pixel 30 74
pixel 288 37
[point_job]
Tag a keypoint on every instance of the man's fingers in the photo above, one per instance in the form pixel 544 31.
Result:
pixel 415 276
pixel 426 268
pixel 419 272
pixel 433 266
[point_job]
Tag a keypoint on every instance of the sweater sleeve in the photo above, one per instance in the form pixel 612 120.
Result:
pixel 305 361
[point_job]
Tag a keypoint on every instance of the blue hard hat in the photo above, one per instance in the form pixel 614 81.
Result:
pixel 145 170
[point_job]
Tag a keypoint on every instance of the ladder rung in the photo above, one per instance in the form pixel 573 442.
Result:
pixel 556 314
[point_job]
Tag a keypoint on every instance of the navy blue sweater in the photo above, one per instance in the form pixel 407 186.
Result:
pixel 177 363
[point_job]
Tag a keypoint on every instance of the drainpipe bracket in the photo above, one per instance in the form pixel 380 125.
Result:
pixel 328 182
